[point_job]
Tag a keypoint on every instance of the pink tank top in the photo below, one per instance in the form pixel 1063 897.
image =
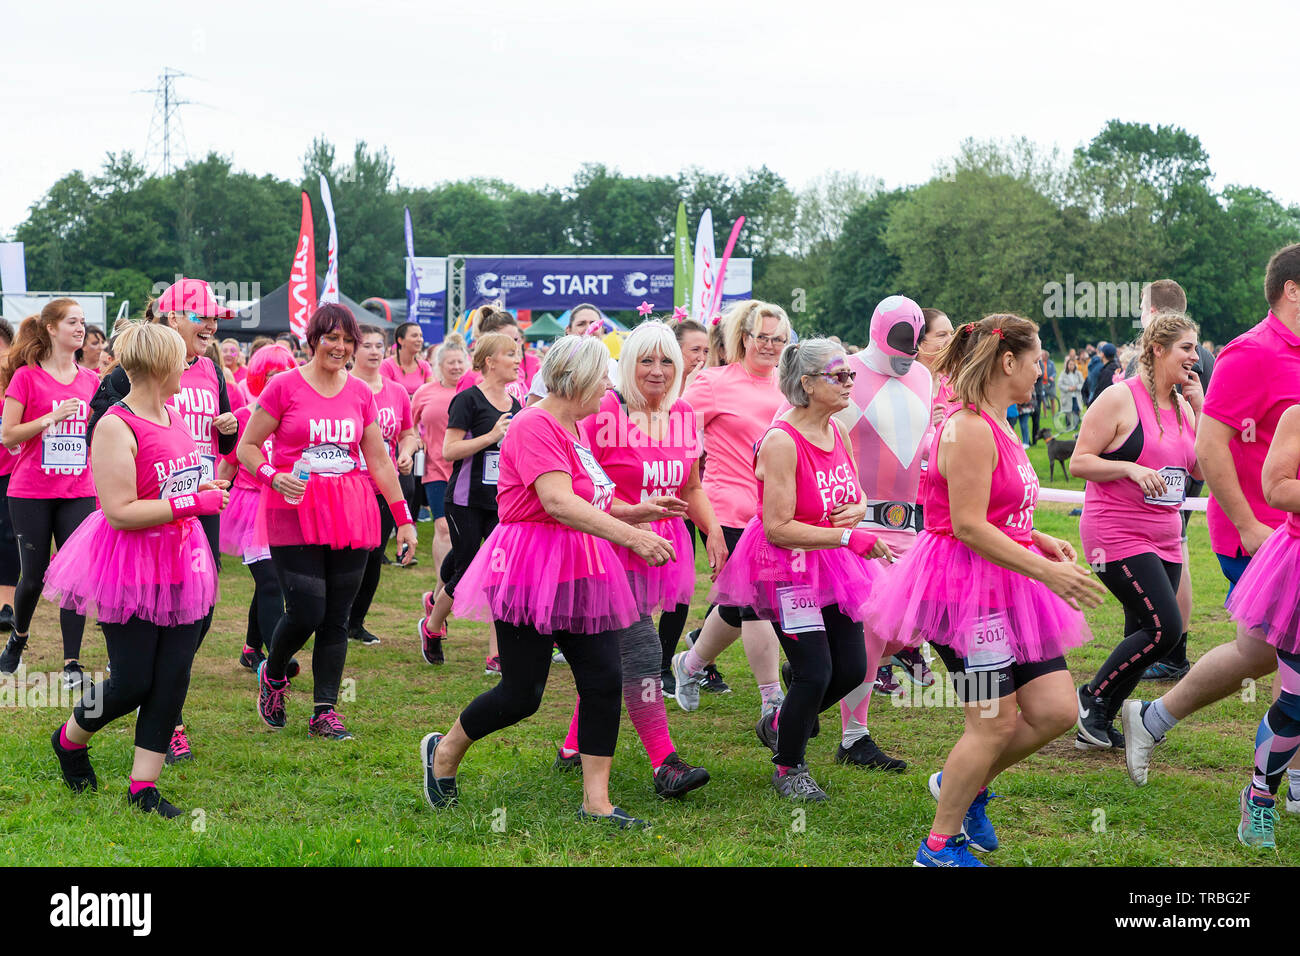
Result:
pixel 1119 520
pixel 167 461
pixel 823 480
pixel 1013 491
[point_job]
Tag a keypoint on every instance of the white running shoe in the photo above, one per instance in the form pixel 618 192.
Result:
pixel 1138 742
pixel 1292 801
pixel 687 694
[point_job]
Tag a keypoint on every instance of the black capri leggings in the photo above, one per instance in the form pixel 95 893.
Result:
pixel 151 670
pixel 267 606
pixel 825 666
pixel 370 580
pixel 525 665
pixel 469 528
pixel 1147 586
pixel 9 566
pixel 733 615
pixel 319 585
pixel 35 521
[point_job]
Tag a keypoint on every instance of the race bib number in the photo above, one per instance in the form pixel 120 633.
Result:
pixel 186 481
pixel 209 465
pixel 604 487
pixel 491 467
pixel 63 451
pixel 799 611
pixel 329 459
pixel 989 648
pixel 1175 487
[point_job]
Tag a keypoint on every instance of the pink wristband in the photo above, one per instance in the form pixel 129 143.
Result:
pixel 401 512
pixel 266 473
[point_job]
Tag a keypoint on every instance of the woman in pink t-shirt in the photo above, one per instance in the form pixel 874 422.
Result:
pixel 548 574
pixel 319 531
pixel 410 371
pixel 498 320
pixel 51 492
pixel 153 579
pixel 394 407
pixel 429 410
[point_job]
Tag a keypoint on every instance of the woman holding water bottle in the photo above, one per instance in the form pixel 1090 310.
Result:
pixel 319 519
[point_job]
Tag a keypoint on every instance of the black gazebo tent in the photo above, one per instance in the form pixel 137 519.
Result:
pixel 270 316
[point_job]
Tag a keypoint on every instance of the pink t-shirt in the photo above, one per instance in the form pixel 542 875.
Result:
pixel 1256 378
pixel 7 458
pixel 243 479
pixel 328 430
pixel 536 444
pixel 393 407
pixel 640 466
pixel 198 402
pixel 55 463
pixel 411 381
pixel 429 410
pixel 734 410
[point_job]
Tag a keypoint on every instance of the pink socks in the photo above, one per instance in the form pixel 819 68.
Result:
pixel 692 663
pixel 67 744
pixel 648 717
pixel 769 691
pixel 936 841
pixel 138 785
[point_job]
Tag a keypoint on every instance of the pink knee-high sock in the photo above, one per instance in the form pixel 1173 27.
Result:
pixel 854 707
pixel 571 741
pixel 645 707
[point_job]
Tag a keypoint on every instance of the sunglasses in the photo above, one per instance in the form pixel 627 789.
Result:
pixel 844 376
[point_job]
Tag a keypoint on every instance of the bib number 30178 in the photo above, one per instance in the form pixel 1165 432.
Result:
pixel 799 611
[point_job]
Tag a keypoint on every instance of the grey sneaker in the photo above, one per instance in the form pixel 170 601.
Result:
pixel 798 784
pixel 13 653
pixel 687 692
pixel 1138 742
pixel 766 732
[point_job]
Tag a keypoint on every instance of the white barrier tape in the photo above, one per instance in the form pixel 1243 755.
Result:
pixel 1076 498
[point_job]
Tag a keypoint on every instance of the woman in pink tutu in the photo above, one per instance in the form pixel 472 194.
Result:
pixel 647 441
pixel 798 562
pixel 997 599
pixel 1265 601
pixel 239 520
pixel 548 574
pixel 154 579
pixel 319 531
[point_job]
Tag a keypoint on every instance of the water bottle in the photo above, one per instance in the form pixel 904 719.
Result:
pixel 417 468
pixel 301 471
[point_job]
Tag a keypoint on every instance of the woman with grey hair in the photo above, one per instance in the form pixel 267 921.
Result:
pixel 799 562
pixel 548 573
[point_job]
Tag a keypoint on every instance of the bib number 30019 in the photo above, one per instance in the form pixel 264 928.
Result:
pixel 63 451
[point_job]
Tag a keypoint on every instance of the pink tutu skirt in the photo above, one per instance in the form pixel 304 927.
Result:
pixel 549 576
pixel 943 592
pixel 1266 596
pixel 338 511
pixel 757 569
pixel 239 525
pixel 164 574
pixel 664 587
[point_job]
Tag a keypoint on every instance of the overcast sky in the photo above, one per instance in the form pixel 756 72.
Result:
pixel 526 92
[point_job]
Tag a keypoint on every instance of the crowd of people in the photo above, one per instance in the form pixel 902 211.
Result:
pixel 856 510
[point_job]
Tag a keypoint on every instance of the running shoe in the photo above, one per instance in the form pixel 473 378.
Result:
pixel 1116 741
pixel 439 792
pixel 271 698
pixel 676 778
pixel 686 690
pixel 557 657
pixel 328 726
pixel 766 732
pixel 1258 815
pixel 492 667
pixel 956 852
pixel 430 644
pixel 914 666
pixel 619 817
pixel 425 515
pixel 692 637
pixel 1292 801
pixel 1163 670
pixel 713 682
pixel 885 682
pixel 865 753
pixel 74 676
pixel 178 748
pixel 1093 721
pixel 13 653
pixel 1138 742
pixel 75 765
pixel 6 618
pixel 571 762
pixel 251 658
pixel 975 826
pixel 359 633
pixel 149 800
pixel 797 784
pixel 668 681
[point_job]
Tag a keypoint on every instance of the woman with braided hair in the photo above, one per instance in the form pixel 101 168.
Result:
pixel 1137 451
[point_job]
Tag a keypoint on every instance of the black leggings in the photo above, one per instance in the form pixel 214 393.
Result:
pixel 9 565
pixel 35 521
pixel 825 666
pixel 469 528
pixel 267 606
pixel 671 625
pixel 319 585
pixel 525 664
pixel 151 670
pixel 1147 586
pixel 413 492
pixel 370 580
pixel 732 615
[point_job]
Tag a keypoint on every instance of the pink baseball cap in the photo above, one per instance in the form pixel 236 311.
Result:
pixel 192 295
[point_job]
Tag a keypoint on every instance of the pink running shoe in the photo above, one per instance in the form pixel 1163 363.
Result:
pixel 179 747
pixel 270 698
pixel 885 682
pixel 492 667
pixel 329 726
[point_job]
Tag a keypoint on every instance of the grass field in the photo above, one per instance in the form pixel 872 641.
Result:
pixel 262 797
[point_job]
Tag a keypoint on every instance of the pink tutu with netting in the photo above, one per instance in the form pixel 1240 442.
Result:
pixel 756 569
pixel 338 511
pixel 164 574
pixel 239 524
pixel 943 592
pixel 549 576
pixel 1266 596
pixel 664 587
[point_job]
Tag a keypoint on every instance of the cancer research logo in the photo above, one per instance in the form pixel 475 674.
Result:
pixel 634 283
pixel 486 285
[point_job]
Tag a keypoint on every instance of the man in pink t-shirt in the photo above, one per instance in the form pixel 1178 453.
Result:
pixel 1256 379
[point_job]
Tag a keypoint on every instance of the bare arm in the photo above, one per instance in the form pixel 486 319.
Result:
pixel 1103 423
pixel 1215 460
pixel 456 446
pixel 1281 487
pixel 14 431
pixel 112 462
pixel 777 461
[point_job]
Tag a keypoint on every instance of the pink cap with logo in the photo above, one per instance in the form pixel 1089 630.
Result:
pixel 192 295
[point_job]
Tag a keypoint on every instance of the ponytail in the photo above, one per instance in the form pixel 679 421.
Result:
pixel 33 344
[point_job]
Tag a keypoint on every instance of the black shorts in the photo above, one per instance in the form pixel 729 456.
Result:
pixel 977 686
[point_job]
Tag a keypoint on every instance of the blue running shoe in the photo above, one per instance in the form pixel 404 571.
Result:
pixel 976 825
pixel 954 853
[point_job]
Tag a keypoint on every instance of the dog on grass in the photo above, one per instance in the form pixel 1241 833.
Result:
pixel 1057 450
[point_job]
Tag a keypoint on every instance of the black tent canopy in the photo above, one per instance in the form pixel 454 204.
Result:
pixel 269 315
